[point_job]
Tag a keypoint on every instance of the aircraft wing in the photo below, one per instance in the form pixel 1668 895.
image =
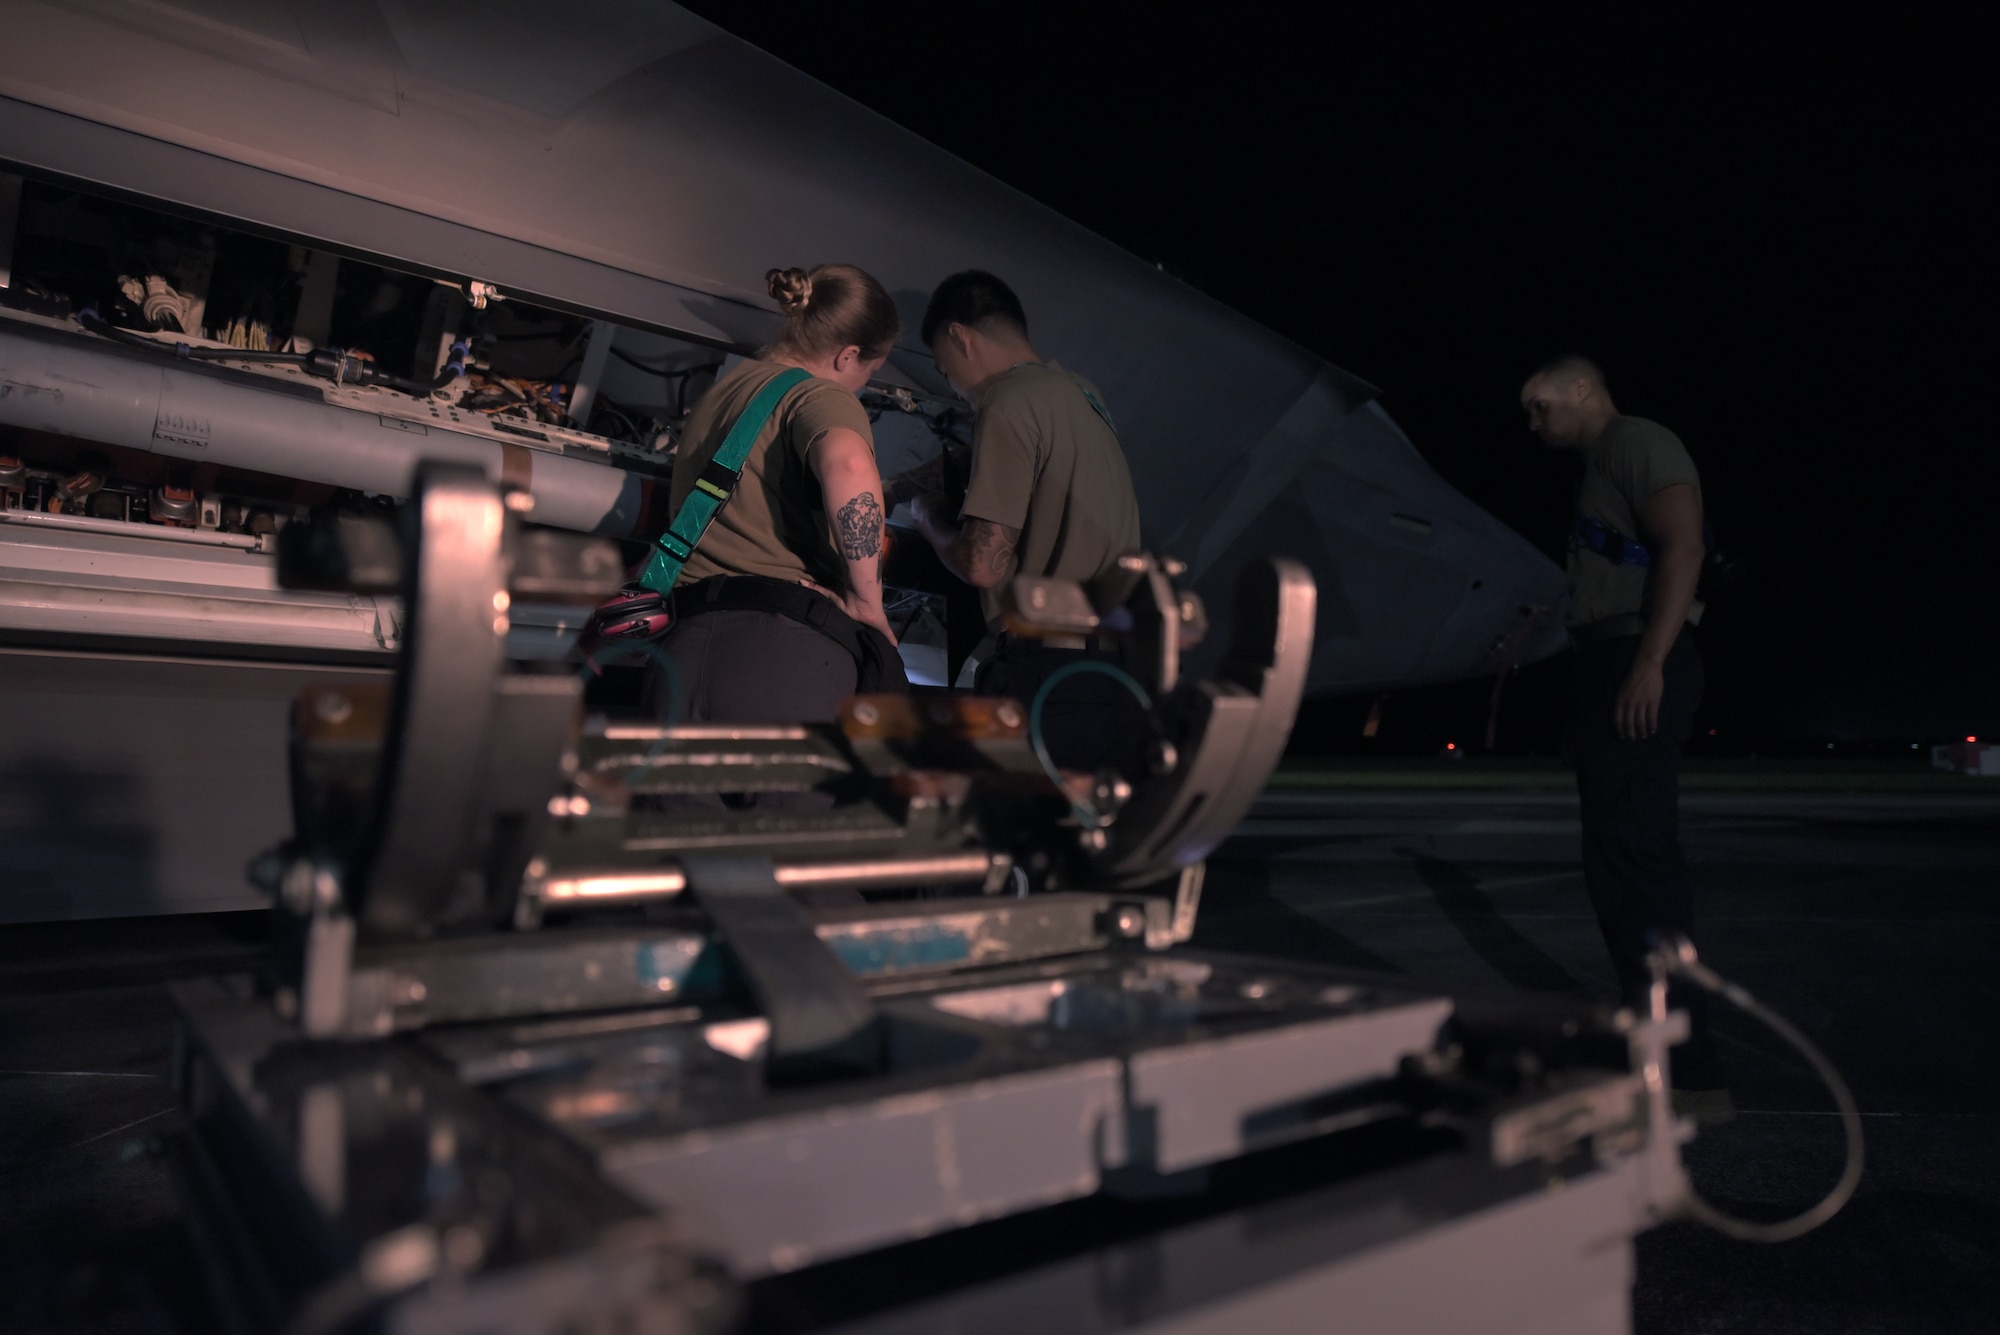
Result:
pixel 633 162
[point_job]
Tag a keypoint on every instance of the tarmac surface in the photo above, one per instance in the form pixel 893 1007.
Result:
pixel 1871 920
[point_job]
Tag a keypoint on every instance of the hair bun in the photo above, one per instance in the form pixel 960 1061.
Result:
pixel 792 289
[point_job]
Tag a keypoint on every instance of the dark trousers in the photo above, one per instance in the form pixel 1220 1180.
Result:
pixel 1089 719
pixel 743 666
pixel 1632 862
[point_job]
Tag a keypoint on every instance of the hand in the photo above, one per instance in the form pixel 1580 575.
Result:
pixel 1637 712
pixel 868 613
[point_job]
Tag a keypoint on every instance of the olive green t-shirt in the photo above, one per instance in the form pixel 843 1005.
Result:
pixel 1045 462
pixel 775 523
pixel 1622 469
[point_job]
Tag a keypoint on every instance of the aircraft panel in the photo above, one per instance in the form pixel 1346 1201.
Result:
pixel 642 165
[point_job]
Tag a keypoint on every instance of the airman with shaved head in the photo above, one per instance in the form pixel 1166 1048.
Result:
pixel 1567 402
pixel 1636 551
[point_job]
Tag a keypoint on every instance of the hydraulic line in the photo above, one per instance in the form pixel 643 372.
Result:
pixel 679 379
pixel 1085 811
pixel 1676 956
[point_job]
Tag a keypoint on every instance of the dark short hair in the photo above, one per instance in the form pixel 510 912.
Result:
pixel 1571 366
pixel 973 297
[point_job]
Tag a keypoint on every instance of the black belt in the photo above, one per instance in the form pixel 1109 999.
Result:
pixel 877 665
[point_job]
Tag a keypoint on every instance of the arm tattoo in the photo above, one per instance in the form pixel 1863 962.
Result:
pixel 989 549
pixel 859 525
pixel 924 478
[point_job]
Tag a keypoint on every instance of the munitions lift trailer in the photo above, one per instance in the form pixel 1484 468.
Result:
pixel 580 1027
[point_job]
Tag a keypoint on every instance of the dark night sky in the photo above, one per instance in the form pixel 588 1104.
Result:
pixel 1771 236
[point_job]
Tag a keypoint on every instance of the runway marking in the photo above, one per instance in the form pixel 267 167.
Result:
pixel 18 1164
pixel 1524 917
pixel 1378 828
pixel 1375 899
pixel 1873 922
pixel 1831 1112
pixel 141 1121
pixel 1711 918
pixel 1498 883
pixel 1513 882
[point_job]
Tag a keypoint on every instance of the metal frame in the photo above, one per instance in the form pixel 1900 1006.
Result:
pixel 755 1086
pixel 1145 1079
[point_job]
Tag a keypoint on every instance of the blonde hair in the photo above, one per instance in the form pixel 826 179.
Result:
pixel 830 307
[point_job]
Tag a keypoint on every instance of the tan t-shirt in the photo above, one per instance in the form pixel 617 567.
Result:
pixel 1044 462
pixel 1622 470
pixel 775 523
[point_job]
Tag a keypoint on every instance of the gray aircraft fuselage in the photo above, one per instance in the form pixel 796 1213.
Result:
pixel 634 164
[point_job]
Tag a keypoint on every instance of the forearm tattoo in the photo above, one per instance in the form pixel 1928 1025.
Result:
pixel 859 525
pixel 989 549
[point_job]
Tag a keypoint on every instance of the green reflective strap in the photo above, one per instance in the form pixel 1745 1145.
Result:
pixel 677 544
pixel 1077 380
pixel 1096 404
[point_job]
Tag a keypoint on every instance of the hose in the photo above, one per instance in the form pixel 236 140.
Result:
pixel 1677 956
pixel 661 371
pixel 1088 814
pixel 453 368
pixel 679 378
